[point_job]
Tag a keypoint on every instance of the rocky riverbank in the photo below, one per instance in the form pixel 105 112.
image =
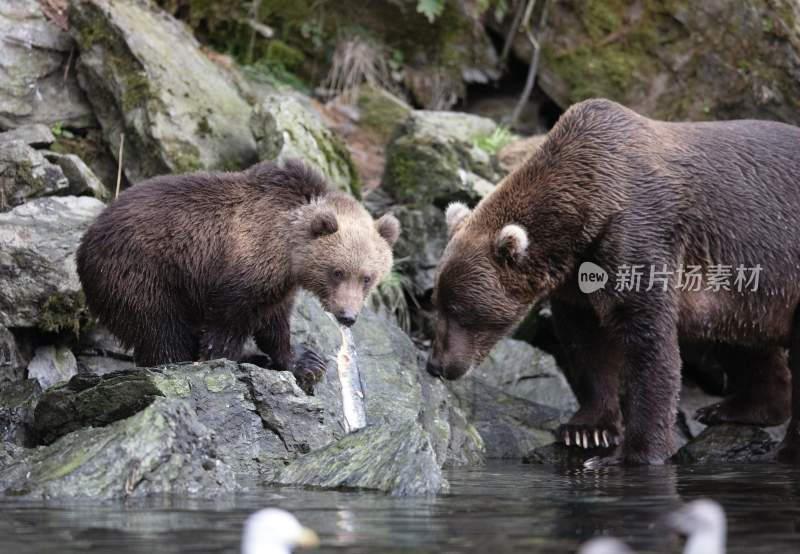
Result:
pixel 76 419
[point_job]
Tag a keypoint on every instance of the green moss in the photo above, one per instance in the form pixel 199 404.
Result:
pixel 63 312
pixel 185 157
pixel 92 28
pixel 219 382
pixel 172 386
pixel 380 112
pixel 280 53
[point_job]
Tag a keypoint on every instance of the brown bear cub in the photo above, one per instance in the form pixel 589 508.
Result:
pixel 187 267
pixel 630 194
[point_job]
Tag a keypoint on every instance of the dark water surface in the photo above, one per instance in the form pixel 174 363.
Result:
pixel 505 507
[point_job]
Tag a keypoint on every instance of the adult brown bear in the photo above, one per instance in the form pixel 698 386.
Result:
pixel 187 267
pixel 621 191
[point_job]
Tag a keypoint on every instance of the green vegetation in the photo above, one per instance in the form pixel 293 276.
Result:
pixel 391 296
pixel 63 313
pixel 494 141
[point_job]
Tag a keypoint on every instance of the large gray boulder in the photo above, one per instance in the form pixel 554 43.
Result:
pixel 39 286
pixel 26 174
pixel 521 370
pixel 35 85
pixel 398 460
pixel 145 75
pixel 284 127
pixel 511 427
pixel 260 418
pixel 164 449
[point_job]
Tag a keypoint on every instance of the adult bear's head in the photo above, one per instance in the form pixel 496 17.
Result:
pixel 480 293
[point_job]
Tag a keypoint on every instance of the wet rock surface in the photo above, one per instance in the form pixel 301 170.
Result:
pixel 146 77
pixel 163 449
pixel 728 443
pixel 92 401
pixel 396 459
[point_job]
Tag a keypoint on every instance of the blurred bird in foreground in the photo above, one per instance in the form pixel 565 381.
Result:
pixel 274 531
pixel 702 522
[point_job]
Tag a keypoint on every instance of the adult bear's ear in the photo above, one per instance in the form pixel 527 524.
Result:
pixel 455 215
pixel 323 222
pixel 389 228
pixel 511 243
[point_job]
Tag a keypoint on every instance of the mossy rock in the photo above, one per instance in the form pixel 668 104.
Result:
pixel 164 449
pixel 39 286
pixel 380 111
pixel 284 127
pixel 433 159
pixel 398 460
pixel 674 59
pixel 145 76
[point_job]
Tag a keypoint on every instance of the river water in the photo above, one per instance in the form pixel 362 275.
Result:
pixel 504 507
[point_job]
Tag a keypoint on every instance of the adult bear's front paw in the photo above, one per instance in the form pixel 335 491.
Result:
pixel 592 427
pixel 308 369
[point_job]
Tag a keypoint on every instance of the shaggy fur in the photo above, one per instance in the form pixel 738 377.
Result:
pixel 612 187
pixel 186 267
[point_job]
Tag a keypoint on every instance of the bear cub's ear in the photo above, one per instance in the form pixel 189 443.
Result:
pixel 455 215
pixel 511 243
pixel 323 223
pixel 389 228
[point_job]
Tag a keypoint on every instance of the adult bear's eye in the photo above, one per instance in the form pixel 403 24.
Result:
pixel 338 274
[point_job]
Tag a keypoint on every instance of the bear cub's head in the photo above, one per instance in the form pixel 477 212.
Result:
pixel 480 291
pixel 342 253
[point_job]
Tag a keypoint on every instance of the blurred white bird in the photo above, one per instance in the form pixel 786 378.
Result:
pixel 274 531
pixel 701 521
pixel 605 545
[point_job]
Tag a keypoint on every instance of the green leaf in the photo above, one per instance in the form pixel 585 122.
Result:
pixel 430 8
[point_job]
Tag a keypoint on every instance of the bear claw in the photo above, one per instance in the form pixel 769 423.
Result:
pixel 586 438
pixel 308 369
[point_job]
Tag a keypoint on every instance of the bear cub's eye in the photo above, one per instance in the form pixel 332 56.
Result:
pixel 338 274
pixel 366 279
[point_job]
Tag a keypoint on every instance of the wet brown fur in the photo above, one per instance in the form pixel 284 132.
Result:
pixel 612 187
pixel 186 267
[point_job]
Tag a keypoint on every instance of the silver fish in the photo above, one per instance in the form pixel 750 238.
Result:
pixel 353 402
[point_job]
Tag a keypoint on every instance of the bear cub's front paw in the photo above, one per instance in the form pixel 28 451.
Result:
pixel 308 369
